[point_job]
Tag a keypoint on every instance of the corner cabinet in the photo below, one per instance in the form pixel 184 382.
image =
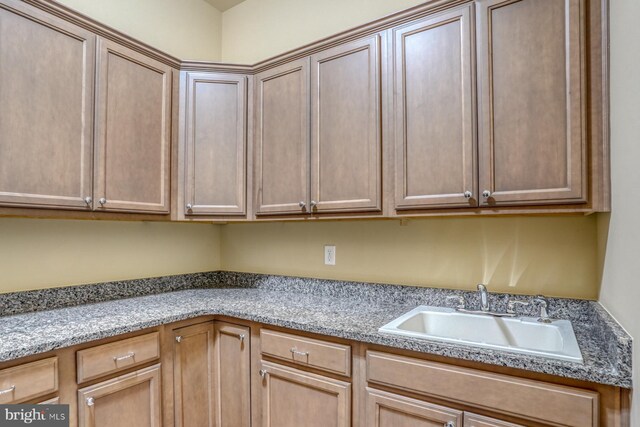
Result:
pixel 46 114
pixel 531 74
pixel 133 131
pixel 214 144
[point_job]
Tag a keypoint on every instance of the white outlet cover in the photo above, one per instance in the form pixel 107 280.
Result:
pixel 329 255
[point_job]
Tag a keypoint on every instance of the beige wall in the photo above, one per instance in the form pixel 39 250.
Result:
pixel 553 256
pixel 187 29
pixel 258 29
pixel 49 253
pixel 620 234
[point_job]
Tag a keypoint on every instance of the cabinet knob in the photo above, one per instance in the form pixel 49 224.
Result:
pixel 102 201
pixel 189 206
pixel 468 195
pixel 449 424
pixel 241 338
pixel 313 204
pixel 88 200
pixel 263 373
pixel 178 338
pixel 302 204
pixel 90 401
pixel 486 194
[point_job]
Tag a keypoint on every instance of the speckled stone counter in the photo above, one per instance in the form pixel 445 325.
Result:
pixel 39 321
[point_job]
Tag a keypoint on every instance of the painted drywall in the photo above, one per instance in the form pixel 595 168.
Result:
pixel 38 254
pixel 527 255
pixel 187 29
pixel 619 244
pixel 258 29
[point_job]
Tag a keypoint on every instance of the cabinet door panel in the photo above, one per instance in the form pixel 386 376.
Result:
pixel 293 398
pixel 46 113
pixel 133 131
pixel 532 127
pixel 393 410
pixel 232 375
pixel 434 113
pixel 128 400
pixel 193 375
pixel 346 128
pixel 282 139
pixel 215 143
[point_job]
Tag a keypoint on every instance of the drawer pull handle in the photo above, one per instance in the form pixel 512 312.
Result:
pixel 90 401
pixel 263 373
pixel 8 390
pixel 130 355
pixel 294 351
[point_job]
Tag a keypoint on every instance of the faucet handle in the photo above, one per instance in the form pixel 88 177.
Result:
pixel 460 300
pixel 513 303
pixel 544 308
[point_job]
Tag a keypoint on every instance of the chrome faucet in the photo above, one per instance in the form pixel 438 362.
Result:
pixel 484 297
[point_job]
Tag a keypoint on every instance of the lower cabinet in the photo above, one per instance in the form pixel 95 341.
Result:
pixel 211 375
pixel 129 400
pixel 392 410
pixel 193 366
pixel 294 398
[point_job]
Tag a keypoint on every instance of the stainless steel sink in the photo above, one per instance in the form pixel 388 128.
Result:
pixel 555 340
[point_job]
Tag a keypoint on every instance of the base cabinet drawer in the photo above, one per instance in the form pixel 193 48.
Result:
pixel 392 410
pixel 106 359
pixel 293 398
pixel 522 398
pixel 129 400
pixel 323 355
pixel 25 382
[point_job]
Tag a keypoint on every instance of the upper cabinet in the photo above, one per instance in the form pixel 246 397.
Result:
pixel 282 139
pixel 346 131
pixel 475 107
pixel 433 102
pixel 81 126
pixel 532 132
pixel 214 135
pixel 133 131
pixel 46 113
pixel 318 132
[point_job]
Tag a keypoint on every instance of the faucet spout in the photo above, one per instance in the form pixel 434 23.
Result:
pixel 484 297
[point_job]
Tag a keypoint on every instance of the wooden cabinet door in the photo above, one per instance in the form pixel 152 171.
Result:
pixel 532 104
pixel 435 149
pixel 473 420
pixel 215 143
pixel 133 131
pixel 282 139
pixel 293 398
pixel 129 400
pixel 232 375
pixel 193 375
pixel 392 410
pixel 46 112
pixel 346 168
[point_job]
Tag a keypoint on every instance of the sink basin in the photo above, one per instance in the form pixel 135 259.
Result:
pixel 525 335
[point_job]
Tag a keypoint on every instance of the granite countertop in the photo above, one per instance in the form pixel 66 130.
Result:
pixel 348 310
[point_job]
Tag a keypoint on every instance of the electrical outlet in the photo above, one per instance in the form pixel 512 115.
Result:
pixel 329 255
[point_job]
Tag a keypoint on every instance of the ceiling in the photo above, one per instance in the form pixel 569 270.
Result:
pixel 223 5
